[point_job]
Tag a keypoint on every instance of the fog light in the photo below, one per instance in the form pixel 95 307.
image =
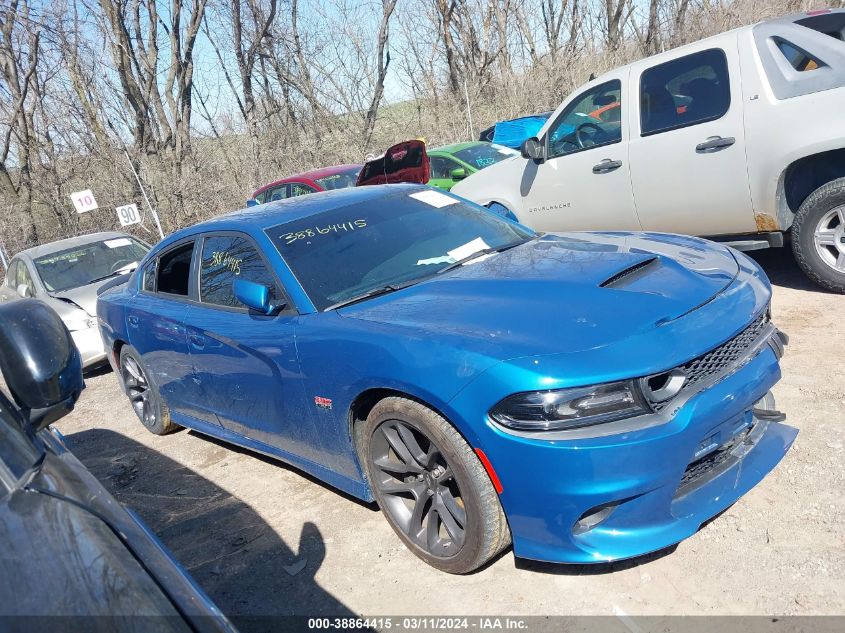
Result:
pixel 592 517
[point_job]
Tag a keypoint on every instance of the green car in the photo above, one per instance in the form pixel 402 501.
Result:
pixel 452 163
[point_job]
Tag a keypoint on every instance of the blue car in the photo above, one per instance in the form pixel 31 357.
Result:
pixel 588 396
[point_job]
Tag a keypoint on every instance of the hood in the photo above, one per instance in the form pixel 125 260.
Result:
pixel 84 297
pixel 561 293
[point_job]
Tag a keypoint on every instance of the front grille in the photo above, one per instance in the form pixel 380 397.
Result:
pixel 719 361
pixel 710 463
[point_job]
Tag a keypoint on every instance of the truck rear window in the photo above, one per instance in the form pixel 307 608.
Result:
pixel 798 58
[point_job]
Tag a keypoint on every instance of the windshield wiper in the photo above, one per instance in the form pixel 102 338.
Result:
pixel 375 292
pixel 476 255
pixel 119 271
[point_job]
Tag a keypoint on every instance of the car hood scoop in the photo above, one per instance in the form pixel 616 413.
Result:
pixel 562 293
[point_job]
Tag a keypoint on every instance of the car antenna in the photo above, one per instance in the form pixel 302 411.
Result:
pixel 592 76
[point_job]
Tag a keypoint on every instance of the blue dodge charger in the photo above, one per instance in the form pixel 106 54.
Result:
pixel 586 396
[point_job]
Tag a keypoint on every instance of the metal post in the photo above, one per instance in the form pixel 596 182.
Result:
pixel 469 110
pixel 144 192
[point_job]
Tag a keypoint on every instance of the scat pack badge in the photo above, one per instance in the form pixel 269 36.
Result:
pixel 323 403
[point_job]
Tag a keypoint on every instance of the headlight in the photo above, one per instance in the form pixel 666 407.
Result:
pixel 570 408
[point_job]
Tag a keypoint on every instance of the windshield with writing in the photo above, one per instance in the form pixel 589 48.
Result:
pixel 346 252
pixel 82 265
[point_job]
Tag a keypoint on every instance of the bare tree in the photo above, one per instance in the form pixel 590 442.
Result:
pixel 383 60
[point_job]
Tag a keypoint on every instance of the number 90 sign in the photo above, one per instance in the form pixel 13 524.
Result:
pixel 128 214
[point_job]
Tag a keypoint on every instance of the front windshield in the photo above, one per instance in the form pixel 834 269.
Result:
pixel 390 240
pixel 340 180
pixel 484 154
pixel 82 265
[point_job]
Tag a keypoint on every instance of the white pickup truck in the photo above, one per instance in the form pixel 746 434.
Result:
pixel 739 137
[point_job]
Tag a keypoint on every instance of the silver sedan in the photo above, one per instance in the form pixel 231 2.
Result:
pixel 66 276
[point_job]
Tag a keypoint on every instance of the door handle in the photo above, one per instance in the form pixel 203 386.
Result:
pixel 133 320
pixel 606 166
pixel 197 341
pixel 714 144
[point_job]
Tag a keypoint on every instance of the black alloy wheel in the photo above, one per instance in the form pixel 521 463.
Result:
pixel 418 488
pixel 431 486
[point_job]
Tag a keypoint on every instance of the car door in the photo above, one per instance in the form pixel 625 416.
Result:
pixel 583 182
pixel 279 192
pixel 441 171
pixel 155 324
pixel 687 154
pixel 8 291
pixel 246 363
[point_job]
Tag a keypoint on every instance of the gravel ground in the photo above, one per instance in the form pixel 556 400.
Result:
pixel 262 538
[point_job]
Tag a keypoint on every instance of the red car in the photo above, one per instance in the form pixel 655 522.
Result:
pixel 324 179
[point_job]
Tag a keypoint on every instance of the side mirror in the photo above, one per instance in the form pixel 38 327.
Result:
pixel 252 202
pixel 24 291
pixel 532 148
pixel 254 296
pixel 39 361
pixel 459 173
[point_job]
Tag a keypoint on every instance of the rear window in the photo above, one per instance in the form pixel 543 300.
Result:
pixel 685 91
pixel 798 58
pixel 826 22
pixel 174 270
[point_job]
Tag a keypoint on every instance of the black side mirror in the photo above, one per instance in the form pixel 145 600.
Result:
pixel 532 149
pixel 39 361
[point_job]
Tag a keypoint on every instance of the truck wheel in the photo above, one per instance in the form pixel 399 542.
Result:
pixel 431 486
pixel 818 236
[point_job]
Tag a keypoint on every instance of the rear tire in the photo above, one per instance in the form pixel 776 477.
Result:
pixel 818 236
pixel 431 486
pixel 143 394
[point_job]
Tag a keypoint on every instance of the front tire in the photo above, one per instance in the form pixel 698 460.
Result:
pixel 818 236
pixel 143 395
pixel 431 486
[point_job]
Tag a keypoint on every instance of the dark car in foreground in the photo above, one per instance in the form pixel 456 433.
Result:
pixel 72 558
pixel 587 396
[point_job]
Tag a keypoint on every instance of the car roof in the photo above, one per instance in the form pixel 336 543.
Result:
pixel 271 214
pixel 71 242
pixel 312 174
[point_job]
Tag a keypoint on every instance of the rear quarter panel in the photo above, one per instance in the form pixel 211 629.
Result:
pixel 806 124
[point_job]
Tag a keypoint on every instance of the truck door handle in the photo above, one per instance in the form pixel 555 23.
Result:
pixel 133 320
pixel 606 166
pixel 714 144
pixel 197 341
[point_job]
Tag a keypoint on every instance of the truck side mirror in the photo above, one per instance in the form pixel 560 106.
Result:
pixel 39 361
pixel 532 149
pixel 24 291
